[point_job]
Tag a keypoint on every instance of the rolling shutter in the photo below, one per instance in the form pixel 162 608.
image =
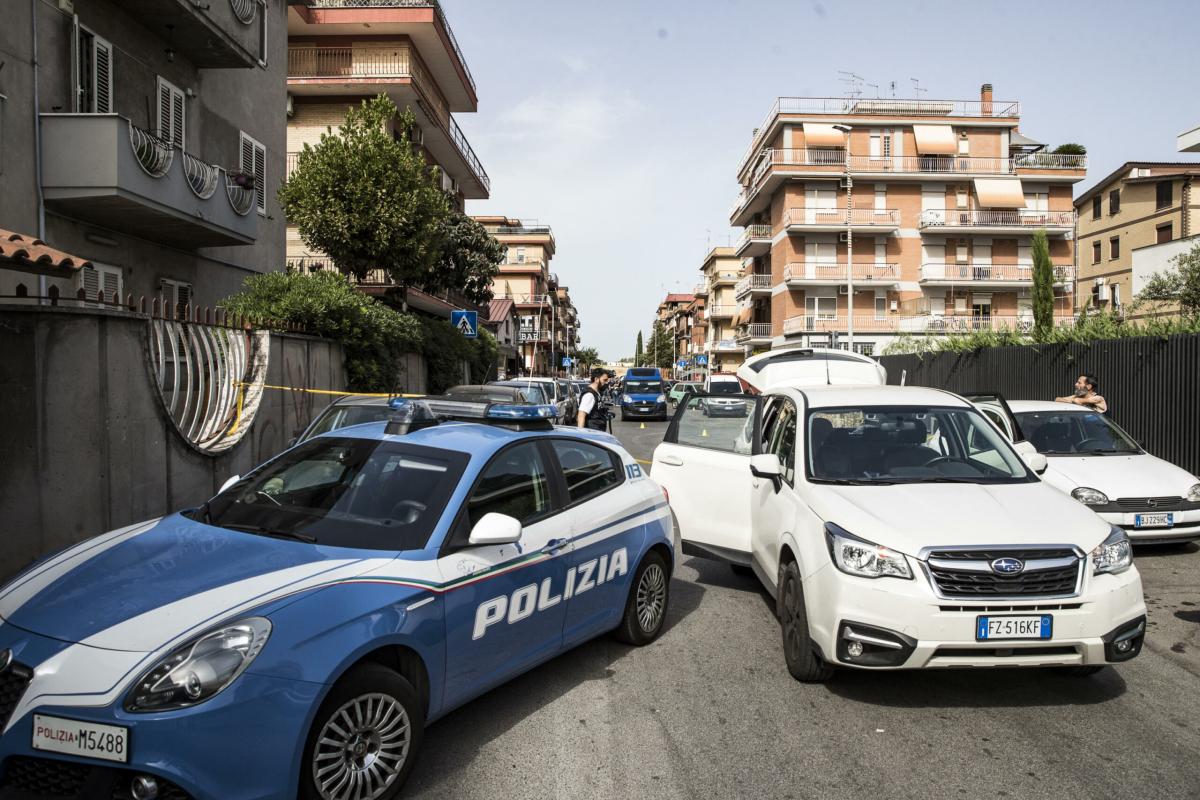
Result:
pixel 102 82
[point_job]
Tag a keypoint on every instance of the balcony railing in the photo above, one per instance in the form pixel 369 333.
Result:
pixel 527 299
pixel 757 282
pixel 720 312
pixel 755 232
pixel 896 323
pixel 722 346
pixel 996 218
pixel 859 217
pixel 1049 161
pixel 700 289
pixel 994 273
pixel 754 330
pixel 886 107
pixel 468 154
pixel 825 272
pixel 528 263
pixel 723 279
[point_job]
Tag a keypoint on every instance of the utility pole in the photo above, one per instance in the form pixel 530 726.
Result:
pixel 849 181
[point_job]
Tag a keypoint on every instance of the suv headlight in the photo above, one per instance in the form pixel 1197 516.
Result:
pixel 1113 554
pixel 626 398
pixel 1194 493
pixel 1090 497
pixel 201 668
pixel 855 556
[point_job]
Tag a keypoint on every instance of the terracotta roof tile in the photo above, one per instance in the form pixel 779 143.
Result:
pixel 28 254
pixel 499 309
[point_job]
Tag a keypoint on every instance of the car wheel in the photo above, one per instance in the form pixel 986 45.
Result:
pixel 802 660
pixel 364 738
pixel 1082 672
pixel 646 606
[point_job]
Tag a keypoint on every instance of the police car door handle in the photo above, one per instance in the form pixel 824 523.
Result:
pixel 554 545
pixel 671 461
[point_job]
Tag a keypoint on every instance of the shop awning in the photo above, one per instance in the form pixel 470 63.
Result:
pixel 935 140
pixel 999 192
pixel 744 316
pixel 822 135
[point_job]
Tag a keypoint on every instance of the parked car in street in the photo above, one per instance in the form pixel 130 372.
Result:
pixel 294 635
pixel 682 390
pixel 895 527
pixel 555 393
pixel 722 397
pixel 643 398
pixel 1093 460
pixel 344 412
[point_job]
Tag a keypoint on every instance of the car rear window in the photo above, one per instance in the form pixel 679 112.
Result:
pixel 343 416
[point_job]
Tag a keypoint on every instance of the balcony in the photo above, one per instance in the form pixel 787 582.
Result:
pixel 816 220
pixel 896 323
pixel 528 300
pixel 318 70
pixel 823 323
pixel 756 241
pixel 996 276
pixel 754 333
pixel 700 289
pixel 528 266
pixel 722 346
pixel 1048 164
pixel 721 312
pixel 753 285
pixel 422 21
pixel 723 279
pixel 866 274
pixel 103 169
pixel 1018 221
pixel 215 34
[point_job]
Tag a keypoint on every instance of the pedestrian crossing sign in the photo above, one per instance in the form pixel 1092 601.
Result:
pixel 466 322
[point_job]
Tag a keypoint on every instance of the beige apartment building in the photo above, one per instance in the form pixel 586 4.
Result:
pixel 544 308
pixel 1131 224
pixel 341 52
pixel 675 315
pixel 720 272
pixel 900 216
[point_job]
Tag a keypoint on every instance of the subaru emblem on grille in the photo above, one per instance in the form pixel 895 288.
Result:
pixel 5 659
pixel 1008 566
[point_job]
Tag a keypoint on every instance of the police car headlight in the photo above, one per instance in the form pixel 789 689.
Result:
pixel 1089 496
pixel 201 668
pixel 1113 554
pixel 855 556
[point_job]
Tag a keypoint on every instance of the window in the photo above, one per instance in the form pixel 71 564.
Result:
pixel 1096 252
pixel 1164 233
pixel 1114 247
pixel 588 469
pixel 520 255
pixel 881 197
pixel 1162 194
pixel 1114 201
pixel 821 307
pixel 176 295
pixel 100 277
pixel 960 197
pixel 782 441
pixel 254 162
pixel 515 484
pixel 1097 206
pixel 880 306
pixel 964 144
pixel 171 113
pixel 94 82
pixel 865 348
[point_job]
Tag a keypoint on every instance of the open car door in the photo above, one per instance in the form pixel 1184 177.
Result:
pixel 704 464
pixel 993 406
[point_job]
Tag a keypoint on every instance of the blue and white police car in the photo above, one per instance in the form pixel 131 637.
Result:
pixel 293 636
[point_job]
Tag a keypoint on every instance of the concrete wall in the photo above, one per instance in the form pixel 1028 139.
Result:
pixel 85 443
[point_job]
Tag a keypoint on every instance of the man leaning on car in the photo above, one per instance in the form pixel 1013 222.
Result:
pixel 1086 394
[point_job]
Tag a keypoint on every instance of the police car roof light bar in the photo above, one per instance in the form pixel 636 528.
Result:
pixel 408 416
pixel 522 416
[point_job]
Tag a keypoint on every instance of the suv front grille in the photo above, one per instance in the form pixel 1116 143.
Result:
pixel 966 574
pixel 13 683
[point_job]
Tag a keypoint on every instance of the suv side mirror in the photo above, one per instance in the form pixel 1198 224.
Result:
pixel 496 528
pixel 1032 458
pixel 766 465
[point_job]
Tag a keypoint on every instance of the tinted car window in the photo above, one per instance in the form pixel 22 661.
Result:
pixel 343 416
pixel 515 484
pixel 588 469
pixel 1069 432
pixel 344 492
pixel 724 387
pixel 783 440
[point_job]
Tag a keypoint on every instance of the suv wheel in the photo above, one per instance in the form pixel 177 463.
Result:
pixel 802 659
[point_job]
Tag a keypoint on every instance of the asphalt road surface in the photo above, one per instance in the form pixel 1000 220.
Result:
pixel 709 711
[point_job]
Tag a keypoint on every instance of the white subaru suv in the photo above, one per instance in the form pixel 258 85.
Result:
pixel 896 527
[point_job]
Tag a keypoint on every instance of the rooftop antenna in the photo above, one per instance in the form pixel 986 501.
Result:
pixel 916 82
pixel 853 83
pixel 892 86
pixel 875 86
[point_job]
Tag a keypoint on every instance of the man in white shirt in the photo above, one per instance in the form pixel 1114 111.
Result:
pixel 592 413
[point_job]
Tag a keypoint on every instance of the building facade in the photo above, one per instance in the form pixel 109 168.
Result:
pixel 1131 223
pixel 133 135
pixel 675 314
pixel 720 274
pixel 898 216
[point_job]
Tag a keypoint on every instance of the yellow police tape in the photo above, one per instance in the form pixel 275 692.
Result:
pixel 237 420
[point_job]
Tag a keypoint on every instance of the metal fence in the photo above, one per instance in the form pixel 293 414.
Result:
pixel 1151 383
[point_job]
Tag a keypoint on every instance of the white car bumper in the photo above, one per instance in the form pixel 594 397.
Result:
pixel 1186 526
pixel 936 632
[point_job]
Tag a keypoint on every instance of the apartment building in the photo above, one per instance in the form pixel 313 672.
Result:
pixel 526 279
pixel 1131 224
pixel 566 328
pixel 720 273
pixel 896 216
pixel 341 52
pixel 674 313
pixel 132 135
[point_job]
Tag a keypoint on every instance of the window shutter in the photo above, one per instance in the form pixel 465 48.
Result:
pixel 164 110
pixel 177 116
pixel 89 281
pixel 247 156
pixel 102 77
pixel 260 178
pixel 112 282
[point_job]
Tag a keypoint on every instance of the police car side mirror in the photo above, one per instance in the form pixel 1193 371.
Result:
pixel 230 482
pixel 1032 458
pixel 496 528
pixel 766 465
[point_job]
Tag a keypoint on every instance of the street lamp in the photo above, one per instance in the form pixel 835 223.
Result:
pixel 849 182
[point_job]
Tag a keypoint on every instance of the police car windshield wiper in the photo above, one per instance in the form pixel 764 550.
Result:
pixel 261 531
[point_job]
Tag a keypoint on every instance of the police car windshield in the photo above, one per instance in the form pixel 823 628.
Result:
pixel 343 416
pixel 343 492
pixel 724 387
pixel 644 387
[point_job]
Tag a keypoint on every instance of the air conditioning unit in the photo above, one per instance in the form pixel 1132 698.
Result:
pixel 895 305
pixel 1102 293
pixel 844 237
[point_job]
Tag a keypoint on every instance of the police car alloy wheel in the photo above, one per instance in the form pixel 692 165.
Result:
pixel 651 597
pixel 646 606
pixel 364 738
pixel 802 661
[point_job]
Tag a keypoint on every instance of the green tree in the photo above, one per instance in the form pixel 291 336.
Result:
pixel 471 259
pixel 587 356
pixel 1043 287
pixel 661 351
pixel 637 354
pixel 368 200
pixel 1071 149
pixel 373 336
pixel 1179 283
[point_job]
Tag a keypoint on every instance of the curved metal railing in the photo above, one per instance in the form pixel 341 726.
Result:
pixel 153 154
pixel 240 197
pixel 244 10
pixel 201 177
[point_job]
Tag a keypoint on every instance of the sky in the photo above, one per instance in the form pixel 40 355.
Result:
pixel 620 123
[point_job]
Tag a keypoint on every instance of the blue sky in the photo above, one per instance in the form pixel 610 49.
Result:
pixel 620 123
